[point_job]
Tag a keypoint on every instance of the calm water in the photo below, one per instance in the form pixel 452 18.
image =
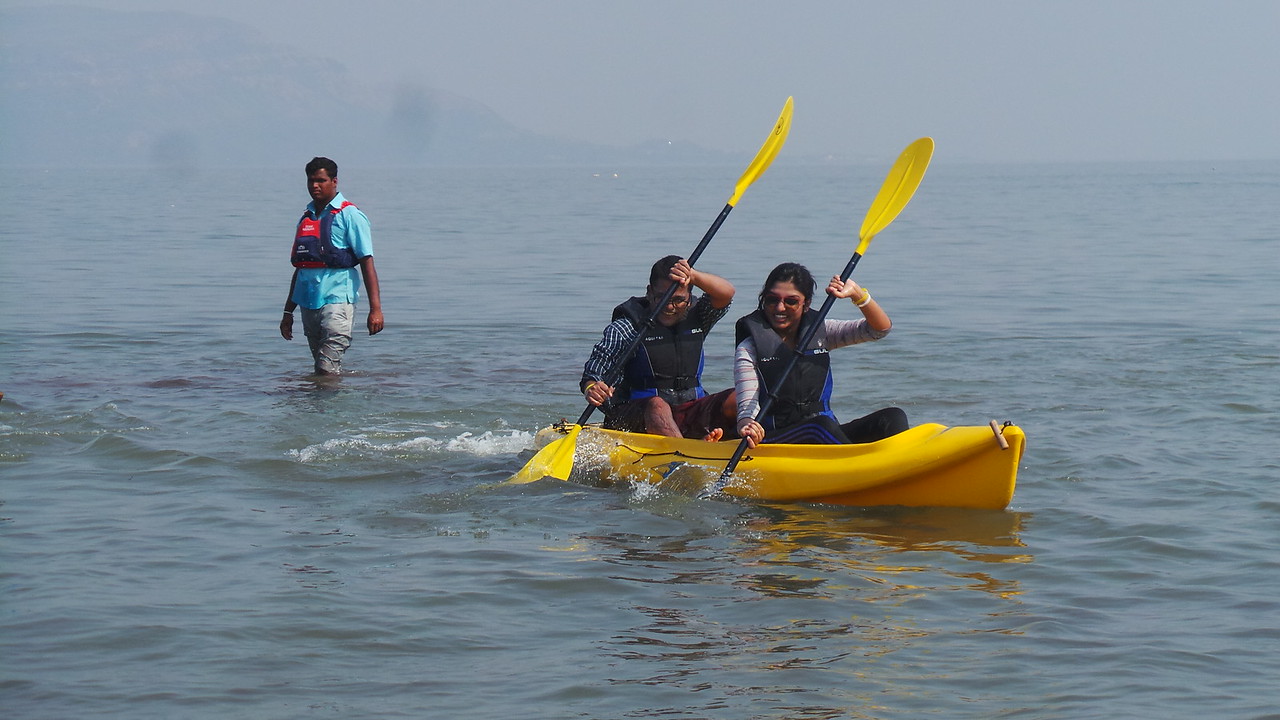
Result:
pixel 191 529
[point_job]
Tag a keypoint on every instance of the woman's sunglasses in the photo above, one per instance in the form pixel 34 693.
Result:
pixel 772 299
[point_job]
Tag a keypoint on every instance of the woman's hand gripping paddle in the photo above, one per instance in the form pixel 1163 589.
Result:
pixel 556 458
pixel 903 179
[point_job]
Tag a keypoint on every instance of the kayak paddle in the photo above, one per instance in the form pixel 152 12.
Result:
pixel 903 179
pixel 556 458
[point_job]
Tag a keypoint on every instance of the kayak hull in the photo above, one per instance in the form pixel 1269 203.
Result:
pixel 929 465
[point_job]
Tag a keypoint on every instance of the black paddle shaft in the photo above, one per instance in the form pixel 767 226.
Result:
pixel 767 403
pixel 615 373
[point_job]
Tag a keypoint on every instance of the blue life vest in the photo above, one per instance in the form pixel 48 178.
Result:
pixel 313 242
pixel 807 390
pixel 668 362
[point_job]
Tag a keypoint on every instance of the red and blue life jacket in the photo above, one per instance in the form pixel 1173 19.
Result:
pixel 313 243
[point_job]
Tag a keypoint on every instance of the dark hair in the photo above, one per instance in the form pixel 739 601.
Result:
pixel 322 163
pixel 662 269
pixel 794 273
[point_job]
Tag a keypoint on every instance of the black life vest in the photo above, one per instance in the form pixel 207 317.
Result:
pixel 807 390
pixel 313 242
pixel 668 362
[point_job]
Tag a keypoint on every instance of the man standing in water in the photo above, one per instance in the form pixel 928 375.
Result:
pixel 332 239
pixel 661 389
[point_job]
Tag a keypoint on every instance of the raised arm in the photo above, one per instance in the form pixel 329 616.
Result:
pixel 719 290
pixel 871 310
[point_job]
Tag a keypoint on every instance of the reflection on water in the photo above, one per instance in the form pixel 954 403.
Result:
pixel 980 535
pixel 791 591
pixel 887 549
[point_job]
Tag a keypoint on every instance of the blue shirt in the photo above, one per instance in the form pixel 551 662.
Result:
pixel 317 287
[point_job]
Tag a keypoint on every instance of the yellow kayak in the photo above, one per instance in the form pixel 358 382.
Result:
pixel 928 465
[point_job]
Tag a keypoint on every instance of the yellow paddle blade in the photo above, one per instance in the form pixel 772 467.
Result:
pixel 555 460
pixel 901 183
pixel 767 153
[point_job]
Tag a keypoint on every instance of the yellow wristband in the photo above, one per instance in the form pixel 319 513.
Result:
pixel 866 298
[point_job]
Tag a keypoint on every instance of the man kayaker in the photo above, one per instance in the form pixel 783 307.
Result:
pixel 332 239
pixel 661 388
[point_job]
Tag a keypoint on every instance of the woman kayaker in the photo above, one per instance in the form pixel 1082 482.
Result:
pixel 767 338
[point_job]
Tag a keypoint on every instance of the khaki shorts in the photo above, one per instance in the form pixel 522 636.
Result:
pixel 328 331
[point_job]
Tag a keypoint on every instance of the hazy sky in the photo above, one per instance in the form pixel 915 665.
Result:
pixel 990 80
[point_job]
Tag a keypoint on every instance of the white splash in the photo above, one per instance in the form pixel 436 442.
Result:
pixel 487 444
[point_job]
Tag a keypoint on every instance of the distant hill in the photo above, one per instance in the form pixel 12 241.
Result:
pixel 86 87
